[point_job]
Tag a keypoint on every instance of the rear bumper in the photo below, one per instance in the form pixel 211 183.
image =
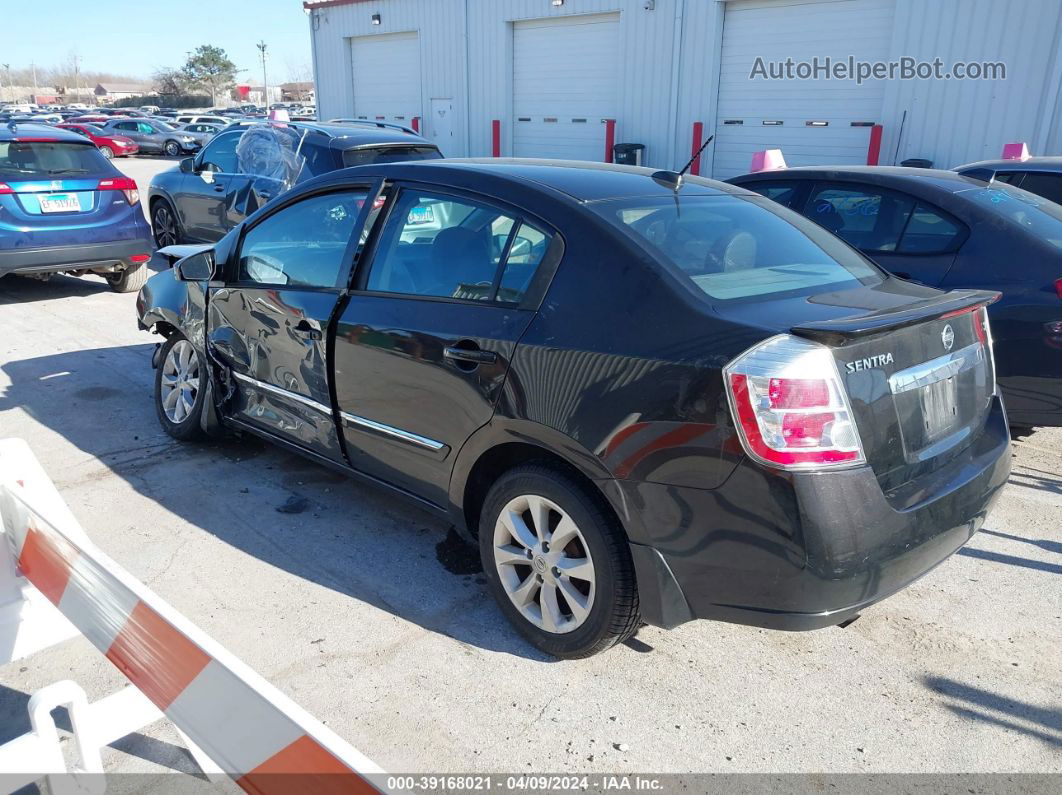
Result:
pixel 61 258
pixel 804 551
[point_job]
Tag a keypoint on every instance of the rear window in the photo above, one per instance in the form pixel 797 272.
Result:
pixel 390 154
pixel 39 158
pixel 1038 215
pixel 735 248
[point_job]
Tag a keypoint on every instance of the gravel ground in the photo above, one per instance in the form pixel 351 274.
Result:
pixel 354 609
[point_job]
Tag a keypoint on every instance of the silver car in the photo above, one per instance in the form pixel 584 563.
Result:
pixel 201 131
pixel 154 136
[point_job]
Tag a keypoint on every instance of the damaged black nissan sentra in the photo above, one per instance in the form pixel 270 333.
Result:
pixel 652 399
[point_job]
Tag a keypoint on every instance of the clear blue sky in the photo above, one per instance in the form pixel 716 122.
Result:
pixel 150 34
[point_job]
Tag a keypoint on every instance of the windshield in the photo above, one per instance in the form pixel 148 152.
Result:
pixel 38 159
pixel 734 247
pixel 1040 216
pixel 390 154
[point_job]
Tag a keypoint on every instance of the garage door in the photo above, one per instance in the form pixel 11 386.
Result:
pixel 386 76
pixel 813 122
pixel 565 82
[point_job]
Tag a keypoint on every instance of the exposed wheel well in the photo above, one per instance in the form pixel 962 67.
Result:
pixel 164 328
pixel 498 460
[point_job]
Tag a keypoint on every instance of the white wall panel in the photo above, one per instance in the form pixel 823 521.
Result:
pixel 387 76
pixel 668 64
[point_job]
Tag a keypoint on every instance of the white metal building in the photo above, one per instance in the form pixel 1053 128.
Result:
pixel 539 78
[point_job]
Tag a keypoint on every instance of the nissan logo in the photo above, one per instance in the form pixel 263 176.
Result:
pixel 947 336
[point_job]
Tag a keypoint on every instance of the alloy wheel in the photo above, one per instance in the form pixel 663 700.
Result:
pixel 544 564
pixel 164 226
pixel 180 382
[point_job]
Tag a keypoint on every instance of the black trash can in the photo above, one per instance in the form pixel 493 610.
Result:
pixel 917 162
pixel 627 154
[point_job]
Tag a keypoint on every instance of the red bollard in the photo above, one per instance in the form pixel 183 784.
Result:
pixel 610 138
pixel 416 124
pixel 495 134
pixel 698 133
pixel 874 151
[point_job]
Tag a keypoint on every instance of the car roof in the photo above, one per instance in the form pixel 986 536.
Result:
pixel 1053 163
pixel 928 179
pixel 581 180
pixel 39 130
pixel 345 136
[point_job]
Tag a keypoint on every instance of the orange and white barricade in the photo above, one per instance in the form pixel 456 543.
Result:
pixel 235 723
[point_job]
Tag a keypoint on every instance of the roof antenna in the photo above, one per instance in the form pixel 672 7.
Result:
pixel 672 179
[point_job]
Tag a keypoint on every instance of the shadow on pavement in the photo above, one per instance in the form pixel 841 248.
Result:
pixel 355 539
pixel 974 703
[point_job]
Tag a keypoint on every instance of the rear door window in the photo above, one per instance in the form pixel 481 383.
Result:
pixel 870 218
pixel 930 231
pixel 448 247
pixel 734 248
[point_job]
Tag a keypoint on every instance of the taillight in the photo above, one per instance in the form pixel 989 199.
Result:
pixel 5 188
pixel 124 184
pixel 790 406
pixel 1058 287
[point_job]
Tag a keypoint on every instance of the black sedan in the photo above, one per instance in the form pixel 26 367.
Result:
pixel 250 163
pixel 650 399
pixel 946 230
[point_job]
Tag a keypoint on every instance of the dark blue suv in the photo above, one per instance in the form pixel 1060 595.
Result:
pixel 65 209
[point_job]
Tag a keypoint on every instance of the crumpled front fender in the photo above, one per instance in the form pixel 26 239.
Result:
pixel 166 303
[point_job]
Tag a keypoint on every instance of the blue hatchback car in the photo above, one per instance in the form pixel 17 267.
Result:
pixel 65 209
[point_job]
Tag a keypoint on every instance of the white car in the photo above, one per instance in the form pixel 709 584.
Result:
pixel 198 118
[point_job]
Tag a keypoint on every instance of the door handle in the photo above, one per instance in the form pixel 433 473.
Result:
pixel 470 355
pixel 309 329
pixel 219 188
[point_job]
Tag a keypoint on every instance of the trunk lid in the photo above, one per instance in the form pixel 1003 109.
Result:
pixel 916 365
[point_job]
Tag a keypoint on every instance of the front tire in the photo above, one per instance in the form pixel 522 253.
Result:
pixel 557 563
pixel 129 280
pixel 107 152
pixel 164 225
pixel 180 389
pixel 172 148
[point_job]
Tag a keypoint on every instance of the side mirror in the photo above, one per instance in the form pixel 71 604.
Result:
pixel 188 165
pixel 196 268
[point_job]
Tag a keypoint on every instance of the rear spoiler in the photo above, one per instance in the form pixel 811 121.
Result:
pixel 841 330
pixel 171 254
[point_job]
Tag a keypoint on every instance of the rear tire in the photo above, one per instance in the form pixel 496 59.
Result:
pixel 585 592
pixel 172 148
pixel 180 389
pixel 107 152
pixel 129 280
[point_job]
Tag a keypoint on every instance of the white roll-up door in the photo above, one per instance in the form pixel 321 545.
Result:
pixel 565 82
pixel 386 77
pixel 790 114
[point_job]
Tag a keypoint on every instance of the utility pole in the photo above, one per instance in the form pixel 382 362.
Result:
pixel 33 67
pixel 265 84
pixel 77 80
pixel 7 68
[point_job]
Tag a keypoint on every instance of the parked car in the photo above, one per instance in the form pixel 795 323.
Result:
pixel 1039 175
pixel 949 231
pixel 197 118
pixel 109 145
pixel 649 403
pixel 201 132
pixel 154 136
pixel 89 118
pixel 65 208
pixel 204 197
pixel 150 110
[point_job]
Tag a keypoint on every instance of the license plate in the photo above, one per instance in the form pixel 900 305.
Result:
pixel 940 409
pixel 60 203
